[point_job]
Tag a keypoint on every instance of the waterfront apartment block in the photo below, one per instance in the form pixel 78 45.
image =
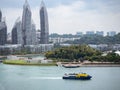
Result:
pixel 28 29
pixel 24 31
pixel 17 33
pixel 3 31
pixel 44 26
pixel 11 49
pixel 26 24
pixel 0 16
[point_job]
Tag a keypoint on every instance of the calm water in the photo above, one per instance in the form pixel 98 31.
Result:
pixel 50 78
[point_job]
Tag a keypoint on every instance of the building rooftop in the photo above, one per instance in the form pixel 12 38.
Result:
pixel 117 52
pixel 26 5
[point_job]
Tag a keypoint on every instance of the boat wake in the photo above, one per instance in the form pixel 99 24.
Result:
pixel 53 78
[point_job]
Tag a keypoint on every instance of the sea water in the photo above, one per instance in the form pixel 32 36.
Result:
pixel 13 77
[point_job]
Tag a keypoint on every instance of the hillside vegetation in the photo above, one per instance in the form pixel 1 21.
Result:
pixel 81 53
pixel 97 39
pixel 73 53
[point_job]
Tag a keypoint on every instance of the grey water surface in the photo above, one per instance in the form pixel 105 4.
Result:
pixel 13 77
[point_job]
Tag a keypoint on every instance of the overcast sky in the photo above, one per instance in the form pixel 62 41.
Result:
pixel 68 16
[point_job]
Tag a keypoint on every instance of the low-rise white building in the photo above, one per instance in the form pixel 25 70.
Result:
pixel 32 48
pixel 117 52
pixel 61 40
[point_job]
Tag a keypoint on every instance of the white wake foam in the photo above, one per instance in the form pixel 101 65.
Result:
pixel 46 78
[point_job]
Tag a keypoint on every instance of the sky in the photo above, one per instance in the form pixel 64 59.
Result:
pixel 68 16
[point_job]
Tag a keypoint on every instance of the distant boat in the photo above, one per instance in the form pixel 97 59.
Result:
pixel 71 65
pixel 77 76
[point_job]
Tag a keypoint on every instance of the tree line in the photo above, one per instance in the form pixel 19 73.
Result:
pixel 81 53
pixel 97 39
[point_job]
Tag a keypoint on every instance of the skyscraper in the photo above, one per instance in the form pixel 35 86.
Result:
pixel 26 24
pixel 0 16
pixel 17 33
pixel 24 32
pixel 33 32
pixel 3 31
pixel 44 39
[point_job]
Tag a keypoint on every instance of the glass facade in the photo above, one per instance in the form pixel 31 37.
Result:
pixel 27 31
pixel 44 39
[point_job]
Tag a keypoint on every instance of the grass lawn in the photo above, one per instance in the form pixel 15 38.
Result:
pixel 23 62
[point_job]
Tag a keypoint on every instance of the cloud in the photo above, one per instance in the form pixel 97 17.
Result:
pixel 75 17
pixel 36 17
pixel 11 14
pixel 79 15
pixel 11 3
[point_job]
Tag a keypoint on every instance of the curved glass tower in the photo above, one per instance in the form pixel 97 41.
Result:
pixel 26 24
pixel 44 37
pixel 17 32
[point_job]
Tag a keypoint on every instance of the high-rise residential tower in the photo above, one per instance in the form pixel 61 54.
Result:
pixel 0 16
pixel 24 32
pixel 3 31
pixel 17 33
pixel 33 32
pixel 26 24
pixel 44 27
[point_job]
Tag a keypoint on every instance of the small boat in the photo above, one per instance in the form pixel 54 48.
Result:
pixel 71 66
pixel 77 76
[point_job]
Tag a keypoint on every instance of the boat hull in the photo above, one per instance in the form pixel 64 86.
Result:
pixel 71 66
pixel 76 78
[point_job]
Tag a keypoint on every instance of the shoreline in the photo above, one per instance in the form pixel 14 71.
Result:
pixel 100 64
pixel 83 64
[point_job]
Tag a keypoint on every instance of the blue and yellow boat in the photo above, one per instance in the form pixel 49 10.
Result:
pixel 77 76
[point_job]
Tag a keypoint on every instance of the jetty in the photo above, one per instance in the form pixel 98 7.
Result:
pixel 89 64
